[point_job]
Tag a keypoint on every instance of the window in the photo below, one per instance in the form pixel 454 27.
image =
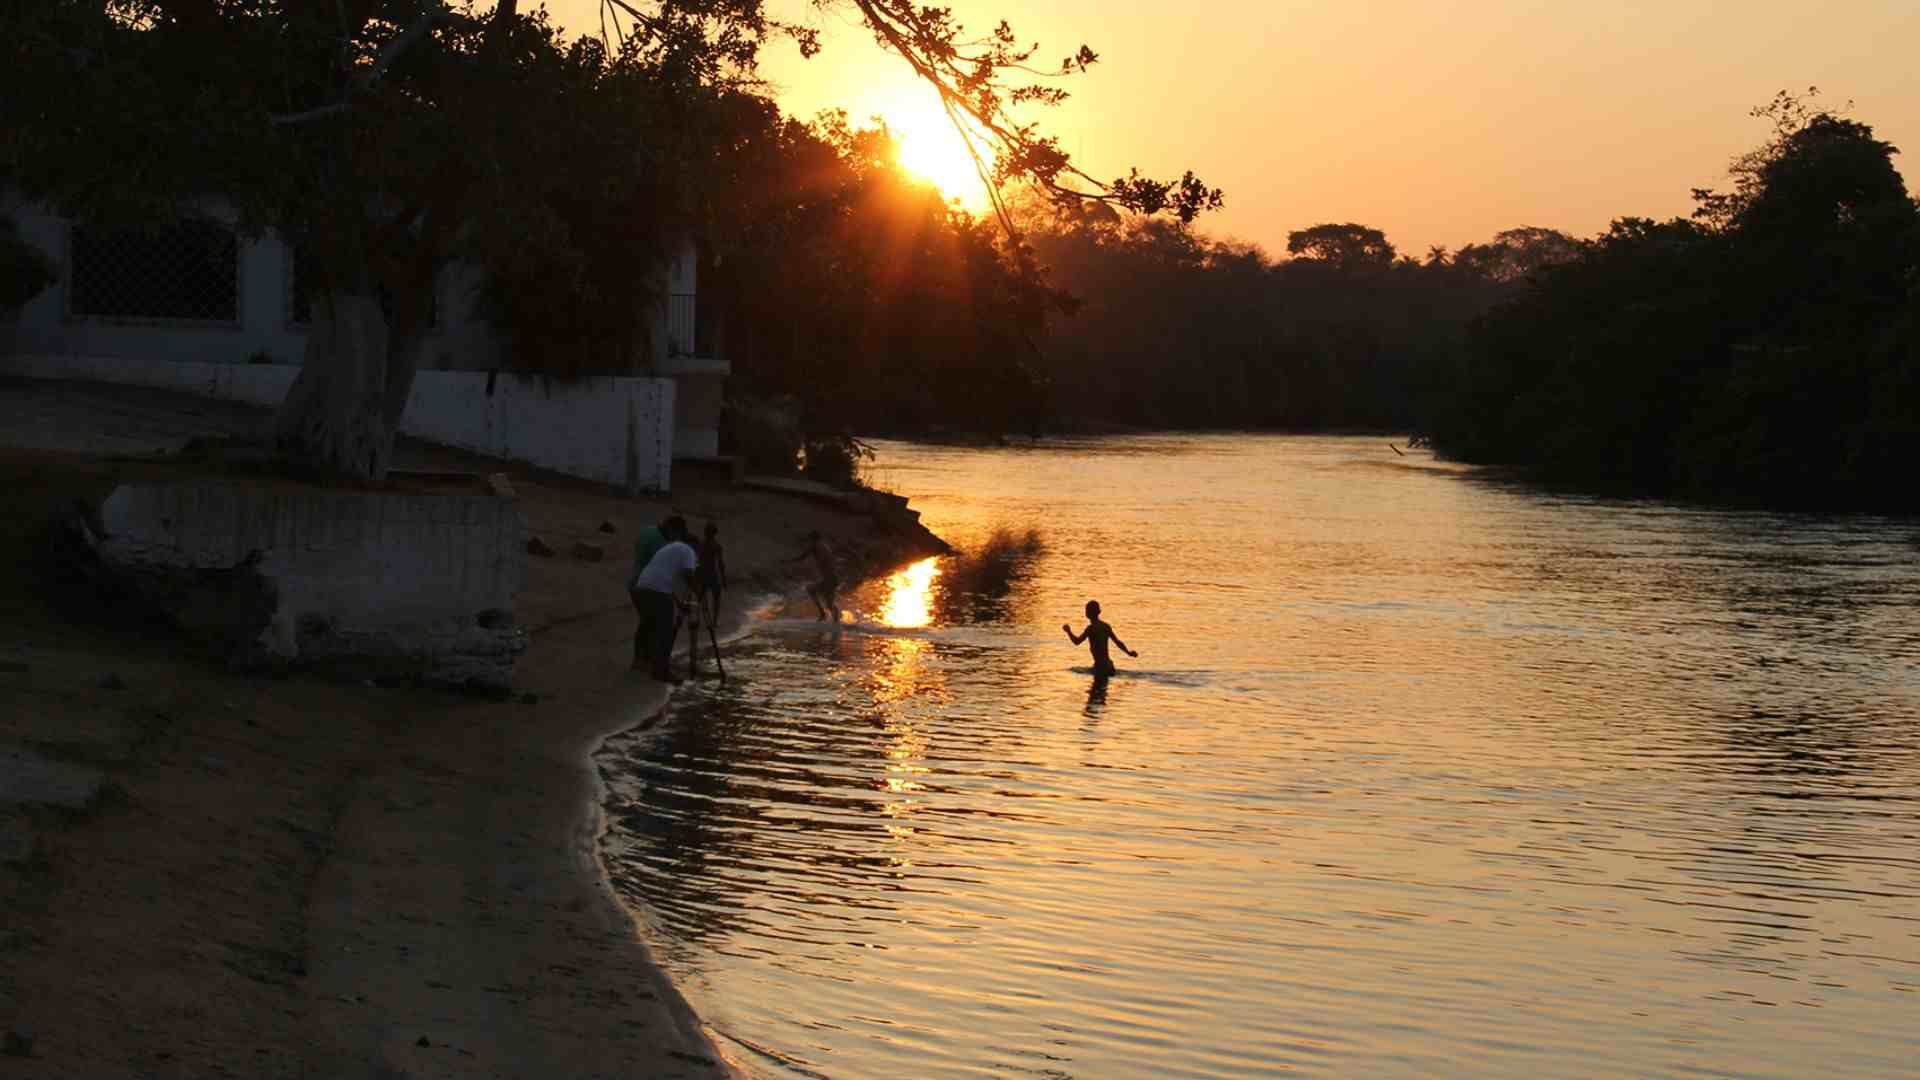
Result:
pixel 187 271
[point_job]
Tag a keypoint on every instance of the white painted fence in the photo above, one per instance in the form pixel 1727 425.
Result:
pixel 614 430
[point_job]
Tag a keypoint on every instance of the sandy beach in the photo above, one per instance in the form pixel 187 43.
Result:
pixel 290 877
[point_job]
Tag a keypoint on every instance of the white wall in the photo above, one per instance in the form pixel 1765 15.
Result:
pixel 617 430
pixel 602 428
pixel 611 430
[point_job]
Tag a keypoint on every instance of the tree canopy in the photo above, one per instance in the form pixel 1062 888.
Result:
pixel 385 138
pixel 1762 350
pixel 1347 245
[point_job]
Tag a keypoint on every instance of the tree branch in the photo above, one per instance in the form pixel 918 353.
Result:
pixel 389 54
pixel 305 115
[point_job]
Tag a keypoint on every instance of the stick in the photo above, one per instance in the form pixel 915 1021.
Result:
pixel 715 639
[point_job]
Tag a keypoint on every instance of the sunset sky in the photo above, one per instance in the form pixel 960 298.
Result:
pixel 1439 122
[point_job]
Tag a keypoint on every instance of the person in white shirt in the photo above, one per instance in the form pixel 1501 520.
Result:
pixel 652 590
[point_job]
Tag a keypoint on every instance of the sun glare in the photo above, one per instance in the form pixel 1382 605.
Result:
pixel 910 599
pixel 932 150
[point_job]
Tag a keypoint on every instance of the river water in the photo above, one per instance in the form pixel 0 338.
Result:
pixel 1417 773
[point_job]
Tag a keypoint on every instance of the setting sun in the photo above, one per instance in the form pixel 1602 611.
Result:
pixel 932 150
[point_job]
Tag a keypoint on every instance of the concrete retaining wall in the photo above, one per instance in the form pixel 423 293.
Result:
pixel 417 584
pixel 611 430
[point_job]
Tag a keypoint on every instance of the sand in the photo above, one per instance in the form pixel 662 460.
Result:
pixel 294 878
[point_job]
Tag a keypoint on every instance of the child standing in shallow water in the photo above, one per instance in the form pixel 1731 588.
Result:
pixel 1096 636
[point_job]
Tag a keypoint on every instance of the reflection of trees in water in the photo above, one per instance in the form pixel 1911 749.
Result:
pixel 981 584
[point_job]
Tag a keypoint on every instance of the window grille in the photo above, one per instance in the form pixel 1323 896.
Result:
pixel 301 275
pixel 188 271
pixel 682 324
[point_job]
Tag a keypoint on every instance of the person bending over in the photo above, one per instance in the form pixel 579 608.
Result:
pixel 1096 635
pixel 669 570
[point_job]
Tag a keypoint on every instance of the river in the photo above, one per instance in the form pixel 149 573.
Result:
pixel 1418 772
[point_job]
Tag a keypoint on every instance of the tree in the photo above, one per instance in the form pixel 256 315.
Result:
pixel 1348 246
pixel 387 137
pixel 1517 254
pixel 917 314
pixel 1762 350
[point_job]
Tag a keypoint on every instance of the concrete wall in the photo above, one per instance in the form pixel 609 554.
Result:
pixel 613 442
pixel 612 430
pixel 423 584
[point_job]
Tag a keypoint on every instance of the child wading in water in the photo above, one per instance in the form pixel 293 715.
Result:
pixel 1096 636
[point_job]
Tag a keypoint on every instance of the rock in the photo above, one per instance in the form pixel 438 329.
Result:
pixel 17 1044
pixel 608 527
pixel 537 546
pixel 501 487
pixel 281 637
pixel 26 777
pixel 112 682
pixel 589 552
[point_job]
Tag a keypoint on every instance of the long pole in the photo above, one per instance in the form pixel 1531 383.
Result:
pixel 715 639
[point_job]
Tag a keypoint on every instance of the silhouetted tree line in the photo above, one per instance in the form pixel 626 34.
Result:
pixel 855 293
pixel 1173 329
pixel 1762 350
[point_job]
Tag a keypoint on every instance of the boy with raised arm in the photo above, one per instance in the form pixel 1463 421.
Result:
pixel 1096 636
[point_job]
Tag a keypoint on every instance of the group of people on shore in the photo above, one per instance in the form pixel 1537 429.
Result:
pixel 677 579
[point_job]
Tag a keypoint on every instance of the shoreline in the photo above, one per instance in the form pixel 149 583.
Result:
pixel 289 877
pixel 737 618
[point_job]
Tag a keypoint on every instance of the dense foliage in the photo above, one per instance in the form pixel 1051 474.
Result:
pixel 388 138
pixel 1763 350
pixel 859 292
pixel 1174 330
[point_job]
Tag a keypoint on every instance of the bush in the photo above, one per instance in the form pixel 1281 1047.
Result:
pixel 835 459
pixel 765 433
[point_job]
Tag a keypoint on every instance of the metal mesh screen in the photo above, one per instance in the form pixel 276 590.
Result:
pixel 189 271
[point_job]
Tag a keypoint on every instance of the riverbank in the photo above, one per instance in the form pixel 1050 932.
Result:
pixel 295 878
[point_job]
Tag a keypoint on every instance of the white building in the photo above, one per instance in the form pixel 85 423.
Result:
pixel 199 293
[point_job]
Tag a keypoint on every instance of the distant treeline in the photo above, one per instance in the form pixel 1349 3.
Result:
pixel 1763 350
pixel 864 302
pixel 1173 330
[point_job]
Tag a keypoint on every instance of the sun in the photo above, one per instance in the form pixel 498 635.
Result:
pixel 932 150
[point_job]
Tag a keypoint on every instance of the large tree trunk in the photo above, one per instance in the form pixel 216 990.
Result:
pixel 335 418
pixel 407 341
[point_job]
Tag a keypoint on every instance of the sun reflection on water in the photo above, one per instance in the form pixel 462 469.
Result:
pixel 910 595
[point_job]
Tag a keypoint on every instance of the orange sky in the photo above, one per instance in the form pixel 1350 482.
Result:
pixel 1439 122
